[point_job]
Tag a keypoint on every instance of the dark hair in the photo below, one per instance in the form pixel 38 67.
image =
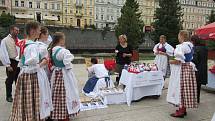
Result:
pixel 12 27
pixel 163 36
pixel 196 40
pixel 56 39
pixel 31 25
pixel 43 30
pixel 94 61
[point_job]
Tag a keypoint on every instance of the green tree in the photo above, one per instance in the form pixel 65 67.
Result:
pixel 168 21
pixel 130 23
pixel 6 20
pixel 211 17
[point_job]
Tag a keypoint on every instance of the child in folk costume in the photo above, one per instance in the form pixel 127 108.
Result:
pixel 45 93
pixel 182 89
pixel 30 88
pixel 65 95
pixel 162 50
pixel 99 78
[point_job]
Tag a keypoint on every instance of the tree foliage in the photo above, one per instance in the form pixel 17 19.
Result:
pixel 168 21
pixel 130 23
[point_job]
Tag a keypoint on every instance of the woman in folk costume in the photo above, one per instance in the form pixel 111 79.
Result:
pixel 26 106
pixel 45 90
pixel 182 90
pixel 162 50
pixel 65 95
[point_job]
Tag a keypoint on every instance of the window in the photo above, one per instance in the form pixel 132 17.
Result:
pixel 58 18
pixel 91 13
pixel 107 17
pixel 3 2
pixel 38 4
pixel 22 3
pixel 52 5
pixel 71 11
pixel 65 10
pixel 91 2
pixel 71 21
pixel 102 17
pixel 30 4
pixel 45 5
pixel 16 3
pixel 85 11
pixel 90 21
pixel 85 21
pixel 96 16
pixel 58 6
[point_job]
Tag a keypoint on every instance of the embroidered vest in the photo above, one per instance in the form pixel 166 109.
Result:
pixel 189 56
pixel 57 63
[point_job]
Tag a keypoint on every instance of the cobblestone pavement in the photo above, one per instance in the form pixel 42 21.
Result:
pixel 148 109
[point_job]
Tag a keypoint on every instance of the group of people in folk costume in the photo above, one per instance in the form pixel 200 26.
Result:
pixel 40 94
pixel 186 67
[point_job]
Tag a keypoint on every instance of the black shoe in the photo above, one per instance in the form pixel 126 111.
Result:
pixel 9 99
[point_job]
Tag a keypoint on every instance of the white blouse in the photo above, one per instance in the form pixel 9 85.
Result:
pixel 168 47
pixel 31 54
pixel 181 50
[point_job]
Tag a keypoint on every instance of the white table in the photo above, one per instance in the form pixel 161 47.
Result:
pixel 141 84
pixel 211 80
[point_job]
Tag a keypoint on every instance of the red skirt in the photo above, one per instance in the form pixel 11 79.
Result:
pixel 26 101
pixel 188 86
pixel 59 97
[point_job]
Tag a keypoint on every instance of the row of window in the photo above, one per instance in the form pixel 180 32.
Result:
pixel 108 17
pixel 198 3
pixel 70 20
pixel 2 2
pixel 197 10
pixel 38 5
pixel 80 2
pixel 111 1
pixel 78 11
pixel 191 25
pixel 108 10
pixel 195 18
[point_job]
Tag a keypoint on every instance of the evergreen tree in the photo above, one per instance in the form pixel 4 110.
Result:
pixel 6 20
pixel 168 21
pixel 130 23
pixel 211 17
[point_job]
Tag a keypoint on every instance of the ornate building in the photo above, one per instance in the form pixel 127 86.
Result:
pixel 107 12
pixel 44 11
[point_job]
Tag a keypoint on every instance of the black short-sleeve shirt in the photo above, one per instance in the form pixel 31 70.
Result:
pixel 119 57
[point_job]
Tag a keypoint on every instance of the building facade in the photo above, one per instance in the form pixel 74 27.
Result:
pixel 147 8
pixel 107 12
pixel 196 12
pixel 78 13
pixel 44 11
pixel 5 6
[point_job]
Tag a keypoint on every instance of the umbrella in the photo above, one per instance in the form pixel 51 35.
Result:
pixel 206 32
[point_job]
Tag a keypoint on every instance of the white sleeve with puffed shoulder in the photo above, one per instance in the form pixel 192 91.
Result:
pixel 31 55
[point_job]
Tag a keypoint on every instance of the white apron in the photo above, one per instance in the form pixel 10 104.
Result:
pixel 173 94
pixel 45 94
pixel 72 94
pixel 161 61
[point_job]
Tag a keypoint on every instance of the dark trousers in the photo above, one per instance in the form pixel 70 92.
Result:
pixel 198 81
pixel 118 70
pixel 11 77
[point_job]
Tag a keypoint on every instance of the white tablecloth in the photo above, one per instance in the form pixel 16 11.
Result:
pixel 211 80
pixel 141 84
